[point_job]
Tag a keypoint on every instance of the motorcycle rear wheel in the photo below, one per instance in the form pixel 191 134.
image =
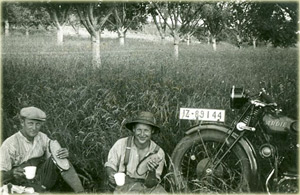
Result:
pixel 194 170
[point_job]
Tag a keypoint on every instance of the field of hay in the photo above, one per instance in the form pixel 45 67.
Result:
pixel 87 107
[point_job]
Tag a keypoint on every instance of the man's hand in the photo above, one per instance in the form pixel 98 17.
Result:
pixel 62 153
pixel 151 179
pixel 18 172
pixel 152 165
pixel 111 180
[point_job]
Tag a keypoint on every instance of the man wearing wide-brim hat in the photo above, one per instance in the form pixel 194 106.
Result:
pixel 30 147
pixel 140 158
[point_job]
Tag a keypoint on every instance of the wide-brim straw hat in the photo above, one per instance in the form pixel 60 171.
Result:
pixel 144 118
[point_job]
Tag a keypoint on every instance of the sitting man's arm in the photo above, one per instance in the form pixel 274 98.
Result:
pixel 113 160
pixel 8 172
pixel 111 180
pixel 7 176
pixel 155 168
pixel 151 179
pixel 110 174
pixel 15 173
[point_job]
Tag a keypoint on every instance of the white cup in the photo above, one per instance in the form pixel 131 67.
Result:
pixel 120 178
pixel 30 172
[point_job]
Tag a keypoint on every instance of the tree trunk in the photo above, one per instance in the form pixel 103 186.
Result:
pixel 160 27
pixel 122 40
pixel 188 39
pixel 254 42
pixel 96 50
pixel 176 51
pixel 76 29
pixel 60 35
pixel 162 36
pixel 208 38
pixel 6 28
pixel 163 40
pixel 214 42
pixel 27 32
pixel 121 34
pixel 239 41
pixel 176 47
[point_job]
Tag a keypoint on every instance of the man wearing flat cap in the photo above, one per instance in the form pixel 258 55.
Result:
pixel 30 147
pixel 140 158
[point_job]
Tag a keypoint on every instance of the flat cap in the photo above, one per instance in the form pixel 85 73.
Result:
pixel 33 113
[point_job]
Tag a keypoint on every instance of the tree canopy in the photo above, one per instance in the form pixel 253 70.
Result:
pixel 273 22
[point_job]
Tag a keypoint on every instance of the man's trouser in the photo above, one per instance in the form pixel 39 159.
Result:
pixel 47 174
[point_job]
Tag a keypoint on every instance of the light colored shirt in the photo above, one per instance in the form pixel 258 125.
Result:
pixel 17 149
pixel 116 158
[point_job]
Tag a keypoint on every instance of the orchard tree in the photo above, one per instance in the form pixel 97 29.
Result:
pixel 180 17
pixel 93 16
pixel 125 16
pixel 215 16
pixel 160 23
pixel 59 14
pixel 7 15
pixel 169 12
pixel 239 20
pixel 202 33
pixel 275 22
pixel 190 19
pixel 24 14
pixel 41 16
pixel 74 21
pixel 27 15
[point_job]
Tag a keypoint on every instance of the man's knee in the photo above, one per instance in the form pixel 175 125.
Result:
pixel 47 174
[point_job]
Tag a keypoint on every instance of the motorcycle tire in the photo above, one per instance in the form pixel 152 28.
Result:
pixel 194 171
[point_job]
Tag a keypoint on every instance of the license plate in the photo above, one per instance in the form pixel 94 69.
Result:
pixel 202 114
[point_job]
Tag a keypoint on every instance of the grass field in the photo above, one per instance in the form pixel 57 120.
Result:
pixel 87 108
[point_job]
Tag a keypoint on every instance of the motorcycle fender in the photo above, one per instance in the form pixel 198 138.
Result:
pixel 247 146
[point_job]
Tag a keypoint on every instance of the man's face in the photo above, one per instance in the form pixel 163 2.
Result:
pixel 30 128
pixel 142 133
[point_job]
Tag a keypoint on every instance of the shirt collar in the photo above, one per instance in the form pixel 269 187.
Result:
pixel 24 138
pixel 150 149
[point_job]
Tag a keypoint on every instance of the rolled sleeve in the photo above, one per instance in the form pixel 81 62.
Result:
pixel 5 158
pixel 114 156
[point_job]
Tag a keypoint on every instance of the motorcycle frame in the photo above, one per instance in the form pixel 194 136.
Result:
pixel 249 116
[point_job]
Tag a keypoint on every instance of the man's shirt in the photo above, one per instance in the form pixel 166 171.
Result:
pixel 116 158
pixel 16 150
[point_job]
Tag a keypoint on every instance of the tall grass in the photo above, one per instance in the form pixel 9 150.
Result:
pixel 87 108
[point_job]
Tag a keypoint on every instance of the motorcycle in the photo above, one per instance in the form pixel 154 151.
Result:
pixel 257 153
